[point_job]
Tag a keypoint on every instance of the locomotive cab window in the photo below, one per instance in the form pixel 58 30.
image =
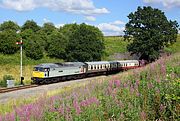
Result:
pixel 38 69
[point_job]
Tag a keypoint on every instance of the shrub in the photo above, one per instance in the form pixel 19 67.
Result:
pixel 3 83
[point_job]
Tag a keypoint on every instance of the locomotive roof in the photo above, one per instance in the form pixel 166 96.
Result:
pixel 59 65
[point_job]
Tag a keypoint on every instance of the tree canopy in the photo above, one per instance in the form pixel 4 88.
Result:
pixel 72 42
pixel 57 45
pixel 86 43
pixel 33 48
pixel 148 32
pixel 30 24
pixel 9 25
pixel 8 41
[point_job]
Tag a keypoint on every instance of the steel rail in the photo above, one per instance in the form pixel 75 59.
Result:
pixel 10 89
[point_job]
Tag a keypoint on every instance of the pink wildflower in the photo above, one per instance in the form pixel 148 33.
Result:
pixel 137 82
pixel 143 116
pixel 10 117
pixel 162 108
pixel 117 83
pixel 131 90
pixel 150 85
pixel 77 107
pixel 122 116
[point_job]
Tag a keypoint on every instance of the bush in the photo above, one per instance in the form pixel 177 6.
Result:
pixel 3 83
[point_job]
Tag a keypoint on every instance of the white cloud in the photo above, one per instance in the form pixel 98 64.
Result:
pixel 45 20
pixel 59 25
pixel 19 5
pixel 118 22
pixel 90 18
pixel 112 28
pixel 165 3
pixel 85 7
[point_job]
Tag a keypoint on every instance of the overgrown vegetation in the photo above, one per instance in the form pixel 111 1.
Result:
pixel 149 93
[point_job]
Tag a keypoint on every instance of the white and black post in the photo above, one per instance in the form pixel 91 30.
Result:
pixel 21 60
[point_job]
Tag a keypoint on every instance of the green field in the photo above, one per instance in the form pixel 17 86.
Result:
pixel 114 45
pixel 10 63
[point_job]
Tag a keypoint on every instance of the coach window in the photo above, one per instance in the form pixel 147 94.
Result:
pixel 89 67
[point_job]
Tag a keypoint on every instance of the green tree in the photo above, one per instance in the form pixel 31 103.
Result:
pixel 57 45
pixel 30 24
pixel 8 41
pixel 69 29
pixel 33 48
pixel 48 28
pixel 149 31
pixel 85 44
pixel 45 32
pixel 9 25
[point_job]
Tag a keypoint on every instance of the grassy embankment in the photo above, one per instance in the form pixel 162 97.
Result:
pixel 10 63
pixel 147 93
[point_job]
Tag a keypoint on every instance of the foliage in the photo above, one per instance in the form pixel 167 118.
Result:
pixel 85 44
pixel 45 33
pixel 148 93
pixel 30 24
pixel 33 47
pixel 9 25
pixel 57 45
pixel 3 83
pixel 149 32
pixel 48 28
pixel 8 41
pixel 68 30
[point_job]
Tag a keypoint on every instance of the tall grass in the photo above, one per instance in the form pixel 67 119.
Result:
pixel 10 65
pixel 149 93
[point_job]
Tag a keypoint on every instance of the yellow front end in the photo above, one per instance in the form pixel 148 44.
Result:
pixel 38 74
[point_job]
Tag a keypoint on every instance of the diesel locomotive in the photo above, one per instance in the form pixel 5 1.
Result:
pixel 57 72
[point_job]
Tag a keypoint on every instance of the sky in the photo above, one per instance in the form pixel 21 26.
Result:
pixel 110 16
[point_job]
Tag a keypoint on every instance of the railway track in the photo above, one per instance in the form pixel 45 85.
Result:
pixel 3 90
